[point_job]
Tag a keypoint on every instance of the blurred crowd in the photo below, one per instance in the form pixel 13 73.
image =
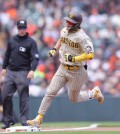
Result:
pixel 45 20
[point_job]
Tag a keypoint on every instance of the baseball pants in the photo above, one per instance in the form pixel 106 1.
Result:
pixel 74 80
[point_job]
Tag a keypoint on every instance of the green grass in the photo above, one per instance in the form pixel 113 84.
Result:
pixel 74 124
pixel 110 124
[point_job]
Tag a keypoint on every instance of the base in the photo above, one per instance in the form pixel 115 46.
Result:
pixel 23 129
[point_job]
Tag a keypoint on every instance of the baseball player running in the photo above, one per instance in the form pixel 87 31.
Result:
pixel 75 48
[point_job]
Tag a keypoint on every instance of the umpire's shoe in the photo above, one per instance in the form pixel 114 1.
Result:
pixel 35 122
pixel 8 124
pixel 98 95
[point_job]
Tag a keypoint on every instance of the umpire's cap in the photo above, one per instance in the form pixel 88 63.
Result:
pixel 22 23
pixel 74 17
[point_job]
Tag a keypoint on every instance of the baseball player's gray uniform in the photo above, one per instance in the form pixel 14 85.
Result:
pixel 74 44
pixel 75 47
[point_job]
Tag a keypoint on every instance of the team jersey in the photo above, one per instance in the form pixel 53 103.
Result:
pixel 74 44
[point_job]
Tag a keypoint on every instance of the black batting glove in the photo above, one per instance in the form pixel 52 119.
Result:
pixel 52 52
pixel 69 58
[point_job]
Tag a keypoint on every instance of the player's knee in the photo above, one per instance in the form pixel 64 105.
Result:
pixel 50 95
pixel 73 97
pixel 73 100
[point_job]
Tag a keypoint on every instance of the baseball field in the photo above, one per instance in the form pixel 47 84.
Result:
pixel 76 128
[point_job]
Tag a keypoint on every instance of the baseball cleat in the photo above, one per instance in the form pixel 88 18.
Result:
pixel 35 122
pixel 98 95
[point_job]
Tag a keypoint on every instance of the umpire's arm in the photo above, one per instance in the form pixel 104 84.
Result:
pixel 34 55
pixel 6 57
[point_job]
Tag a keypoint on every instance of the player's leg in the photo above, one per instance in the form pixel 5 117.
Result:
pixel 58 81
pixel 76 80
pixel 97 94
pixel 75 86
pixel 56 84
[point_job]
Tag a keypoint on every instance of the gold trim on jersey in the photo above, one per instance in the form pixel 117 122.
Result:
pixel 69 42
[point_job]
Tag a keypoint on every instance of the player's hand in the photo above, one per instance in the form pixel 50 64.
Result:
pixel 69 58
pixel 52 52
pixel 30 74
pixel 3 72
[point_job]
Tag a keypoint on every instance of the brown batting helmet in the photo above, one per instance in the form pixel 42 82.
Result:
pixel 75 18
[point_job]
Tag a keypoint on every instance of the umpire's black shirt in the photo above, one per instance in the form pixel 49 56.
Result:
pixel 21 54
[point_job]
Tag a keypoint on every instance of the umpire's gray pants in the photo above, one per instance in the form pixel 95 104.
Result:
pixel 15 80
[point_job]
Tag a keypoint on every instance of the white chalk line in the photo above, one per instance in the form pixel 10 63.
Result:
pixel 4 132
pixel 71 129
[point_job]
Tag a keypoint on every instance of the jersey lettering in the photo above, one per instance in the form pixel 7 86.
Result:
pixel 68 42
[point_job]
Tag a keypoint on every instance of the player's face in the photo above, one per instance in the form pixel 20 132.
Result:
pixel 69 24
pixel 22 31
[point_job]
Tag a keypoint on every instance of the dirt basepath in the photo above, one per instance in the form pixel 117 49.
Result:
pixel 2 130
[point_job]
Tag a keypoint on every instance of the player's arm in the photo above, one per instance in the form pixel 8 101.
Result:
pixel 54 50
pixel 79 58
pixel 57 46
pixel 88 53
pixel 84 56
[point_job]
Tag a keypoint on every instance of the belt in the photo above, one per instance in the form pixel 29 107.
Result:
pixel 68 67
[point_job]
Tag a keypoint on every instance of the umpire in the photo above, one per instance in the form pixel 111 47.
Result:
pixel 20 61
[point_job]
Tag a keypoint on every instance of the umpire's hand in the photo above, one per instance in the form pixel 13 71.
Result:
pixel 3 72
pixel 30 74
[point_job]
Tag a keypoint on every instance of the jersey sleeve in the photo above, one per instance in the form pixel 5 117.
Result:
pixel 63 32
pixel 87 45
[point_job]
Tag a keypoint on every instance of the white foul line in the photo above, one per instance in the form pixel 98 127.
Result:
pixel 71 129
